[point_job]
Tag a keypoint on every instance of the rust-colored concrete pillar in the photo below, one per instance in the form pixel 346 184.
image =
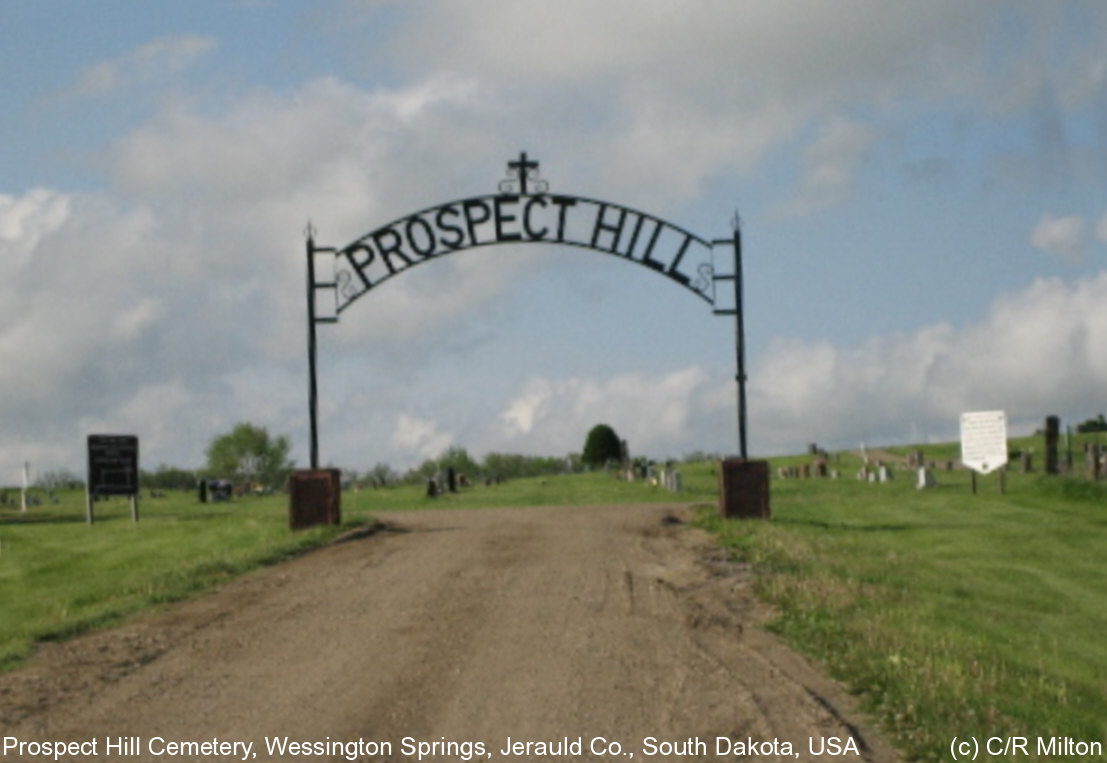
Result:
pixel 744 489
pixel 314 498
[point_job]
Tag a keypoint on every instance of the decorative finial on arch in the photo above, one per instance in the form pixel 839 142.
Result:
pixel 736 221
pixel 309 231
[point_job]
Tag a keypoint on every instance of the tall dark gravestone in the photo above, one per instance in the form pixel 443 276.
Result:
pixel 1052 436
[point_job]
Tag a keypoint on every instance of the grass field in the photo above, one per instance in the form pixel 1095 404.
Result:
pixel 948 613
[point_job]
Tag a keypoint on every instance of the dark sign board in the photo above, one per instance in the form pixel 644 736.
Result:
pixel 112 464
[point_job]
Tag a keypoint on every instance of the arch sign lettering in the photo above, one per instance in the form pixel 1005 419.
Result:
pixel 523 211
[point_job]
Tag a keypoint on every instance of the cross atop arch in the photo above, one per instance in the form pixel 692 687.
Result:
pixel 522 167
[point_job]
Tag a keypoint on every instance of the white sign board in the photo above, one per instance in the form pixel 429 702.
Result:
pixel 984 440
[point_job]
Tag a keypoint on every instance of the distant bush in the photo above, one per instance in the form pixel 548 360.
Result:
pixel 1098 424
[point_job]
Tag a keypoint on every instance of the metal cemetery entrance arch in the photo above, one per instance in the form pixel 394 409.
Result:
pixel 522 212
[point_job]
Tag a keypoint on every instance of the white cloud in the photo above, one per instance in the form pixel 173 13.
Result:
pixel 328 143
pixel 1061 236
pixel 190 270
pixel 420 437
pixel 830 162
pixel 24 220
pixel 147 64
pixel 1038 352
pixel 668 97
pixel 662 415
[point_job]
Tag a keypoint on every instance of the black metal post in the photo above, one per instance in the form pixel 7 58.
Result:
pixel 313 395
pixel 740 330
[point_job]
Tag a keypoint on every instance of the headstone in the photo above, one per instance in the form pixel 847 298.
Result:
pixel 885 475
pixel 925 479
pixel 451 479
pixel 432 488
pixel 1027 462
pixel 1052 436
pixel 220 490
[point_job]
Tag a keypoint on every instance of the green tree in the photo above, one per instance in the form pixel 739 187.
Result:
pixel 601 445
pixel 382 475
pixel 247 453
pixel 460 460
pixel 1098 424
pixel 169 478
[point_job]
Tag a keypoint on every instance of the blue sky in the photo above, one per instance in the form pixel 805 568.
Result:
pixel 923 188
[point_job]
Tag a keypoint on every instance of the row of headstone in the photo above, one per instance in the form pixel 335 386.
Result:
pixel 670 479
pixel 915 459
pixel 30 499
pixel 877 472
pixel 819 469
pixel 666 477
pixel 450 482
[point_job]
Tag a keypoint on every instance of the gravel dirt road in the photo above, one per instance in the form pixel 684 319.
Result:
pixel 550 633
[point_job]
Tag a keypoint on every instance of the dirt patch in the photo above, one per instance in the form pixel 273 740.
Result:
pixel 446 634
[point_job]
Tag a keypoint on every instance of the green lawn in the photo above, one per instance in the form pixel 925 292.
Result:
pixel 951 614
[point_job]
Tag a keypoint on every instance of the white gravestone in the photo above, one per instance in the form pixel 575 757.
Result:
pixel 926 479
